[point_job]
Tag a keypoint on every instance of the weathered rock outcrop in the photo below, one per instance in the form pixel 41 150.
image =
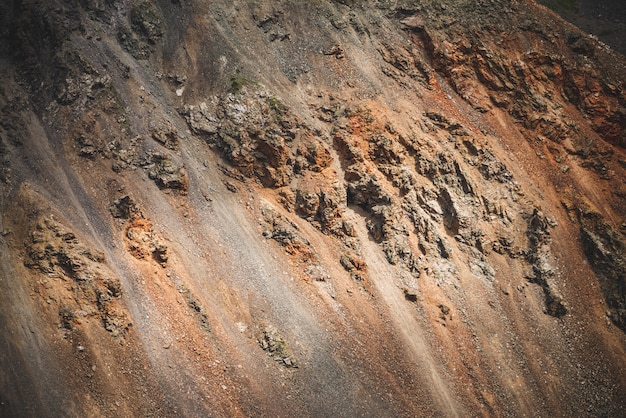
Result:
pixel 74 279
pixel 605 250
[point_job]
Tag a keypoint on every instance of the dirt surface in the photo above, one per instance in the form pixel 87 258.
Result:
pixel 325 208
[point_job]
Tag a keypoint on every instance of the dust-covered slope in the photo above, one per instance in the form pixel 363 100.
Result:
pixel 310 209
pixel 605 19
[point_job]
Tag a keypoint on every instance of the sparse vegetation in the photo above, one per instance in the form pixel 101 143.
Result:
pixel 237 82
pixel 275 104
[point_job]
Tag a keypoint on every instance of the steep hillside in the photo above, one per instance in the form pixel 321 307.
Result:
pixel 321 208
pixel 605 19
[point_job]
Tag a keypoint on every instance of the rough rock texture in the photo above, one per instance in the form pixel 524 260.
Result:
pixel 324 208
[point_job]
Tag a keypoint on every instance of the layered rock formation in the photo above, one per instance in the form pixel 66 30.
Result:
pixel 310 209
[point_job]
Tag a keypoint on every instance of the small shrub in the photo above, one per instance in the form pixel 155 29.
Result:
pixel 237 82
pixel 276 105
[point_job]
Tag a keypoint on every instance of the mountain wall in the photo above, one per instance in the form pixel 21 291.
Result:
pixel 322 208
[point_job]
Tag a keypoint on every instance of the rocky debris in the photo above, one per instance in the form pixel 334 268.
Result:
pixel 144 242
pixel 322 209
pixel 272 342
pixel 410 294
pixel 354 265
pixel 533 89
pixel 604 105
pixel 165 135
pixel 430 241
pixel 328 112
pixel 231 187
pixel 287 234
pixel 146 22
pixel 74 278
pixel 606 252
pixel 337 51
pixel 287 198
pixel 505 245
pixel 430 199
pixel 449 197
pixel 437 195
pixel 313 156
pixel 318 273
pixel 203 118
pixel 442 122
pixel 45 256
pixel 386 226
pixel 166 173
pixel 197 309
pixel 124 208
pixel 89 96
pixel 259 135
pixel 479 266
pixel 593 155
pixel 126 157
pixel 493 169
pixel 405 64
pixel 85 85
pixel 178 80
pixel 540 258
pixel 444 312
pixel 5 170
pixel 87 148
pixel 124 153
pixel 143 30
pixel 443 169
pixel 131 43
pixel 272 26
pixel 102 128
pixel 365 189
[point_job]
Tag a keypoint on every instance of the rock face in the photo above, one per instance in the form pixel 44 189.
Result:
pixel 90 290
pixel 325 208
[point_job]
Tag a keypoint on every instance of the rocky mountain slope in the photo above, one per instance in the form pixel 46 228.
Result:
pixel 605 19
pixel 322 208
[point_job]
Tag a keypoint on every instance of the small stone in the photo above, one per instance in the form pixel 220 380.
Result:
pixel 231 187
pixel 445 310
pixel 410 295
